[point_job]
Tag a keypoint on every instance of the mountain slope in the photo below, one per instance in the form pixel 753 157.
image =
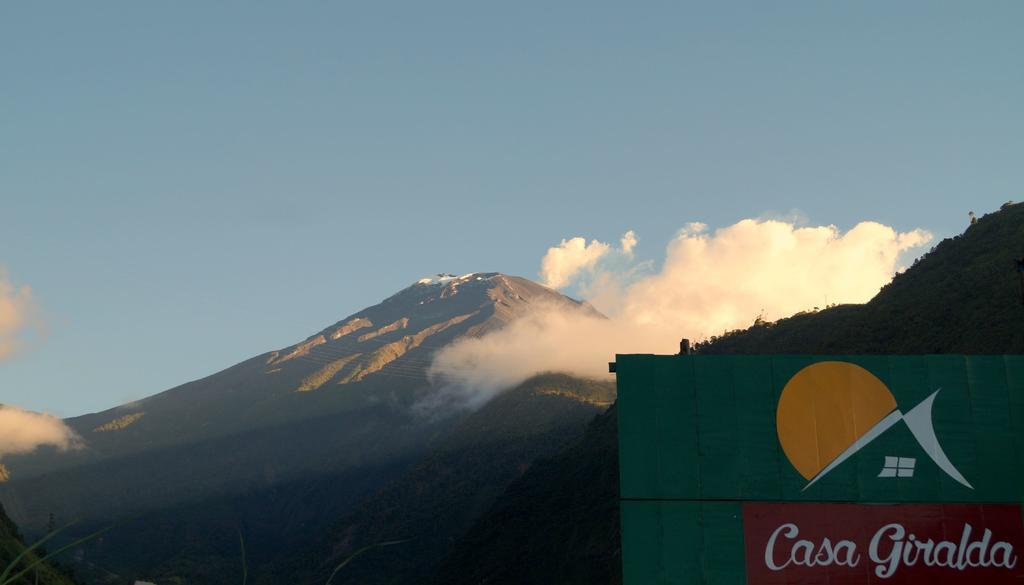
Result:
pixel 558 523
pixel 332 370
pixel 438 500
pixel 433 501
pixel 962 297
pixel 11 545
pixel 272 429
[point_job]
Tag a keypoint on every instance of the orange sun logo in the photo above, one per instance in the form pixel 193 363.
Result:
pixel 830 410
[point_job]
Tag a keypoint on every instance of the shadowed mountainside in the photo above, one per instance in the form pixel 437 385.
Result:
pixel 558 523
pixel 296 532
pixel 440 498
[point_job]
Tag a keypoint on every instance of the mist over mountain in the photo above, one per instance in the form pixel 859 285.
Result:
pixel 708 282
pixel 288 440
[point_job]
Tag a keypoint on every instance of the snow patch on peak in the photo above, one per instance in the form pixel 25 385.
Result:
pixel 448 278
pixel 444 285
pixel 439 278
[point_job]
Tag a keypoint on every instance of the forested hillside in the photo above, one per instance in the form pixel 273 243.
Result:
pixel 12 545
pixel 962 297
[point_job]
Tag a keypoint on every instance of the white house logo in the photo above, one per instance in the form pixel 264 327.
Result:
pixel 831 410
pixel 827 413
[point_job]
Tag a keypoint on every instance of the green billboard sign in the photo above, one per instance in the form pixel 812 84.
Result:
pixel 701 436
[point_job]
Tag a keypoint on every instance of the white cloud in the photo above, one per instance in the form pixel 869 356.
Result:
pixel 19 317
pixel 22 431
pixel 628 242
pixel 708 283
pixel 562 262
pixel 713 282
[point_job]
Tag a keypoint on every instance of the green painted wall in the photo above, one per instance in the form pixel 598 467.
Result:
pixel 697 437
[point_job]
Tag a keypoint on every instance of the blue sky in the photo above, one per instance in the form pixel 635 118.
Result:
pixel 187 185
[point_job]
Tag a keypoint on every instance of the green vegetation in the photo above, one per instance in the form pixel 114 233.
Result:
pixel 119 423
pixel 32 565
pixel 324 374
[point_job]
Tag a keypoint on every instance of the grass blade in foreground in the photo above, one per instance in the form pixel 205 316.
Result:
pixel 245 564
pixel 28 549
pixel 10 580
pixel 352 556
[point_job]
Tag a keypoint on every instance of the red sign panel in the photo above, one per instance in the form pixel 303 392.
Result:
pixel 858 544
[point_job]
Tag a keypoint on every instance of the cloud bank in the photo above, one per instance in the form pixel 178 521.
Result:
pixel 19 317
pixel 22 431
pixel 708 283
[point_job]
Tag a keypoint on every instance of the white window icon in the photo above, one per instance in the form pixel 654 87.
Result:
pixel 898 467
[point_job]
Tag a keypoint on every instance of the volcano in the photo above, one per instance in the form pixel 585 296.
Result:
pixel 340 400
